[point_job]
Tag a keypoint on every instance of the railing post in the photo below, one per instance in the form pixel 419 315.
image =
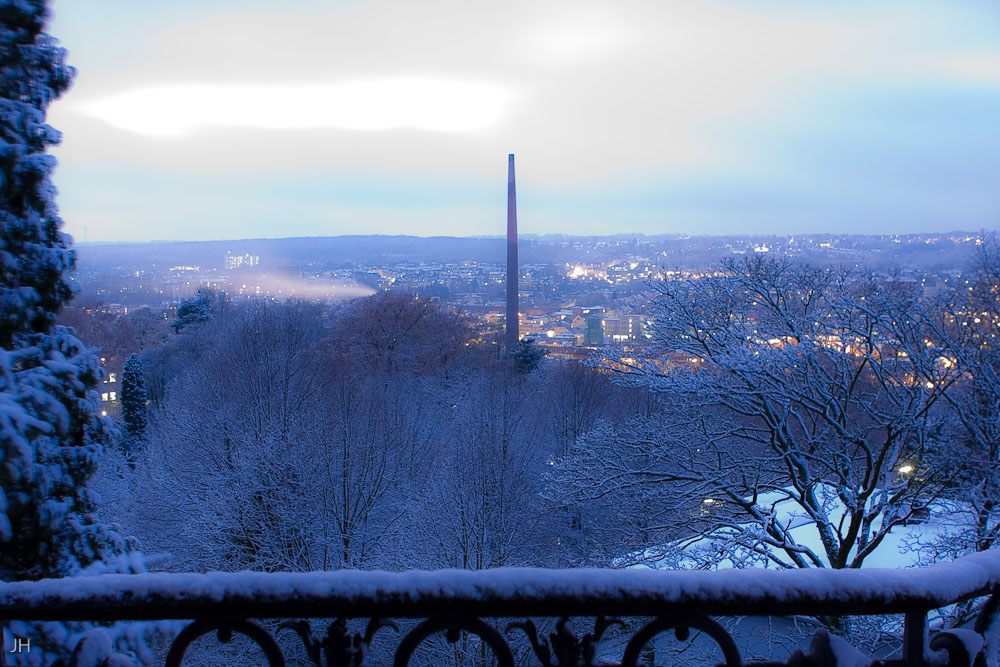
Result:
pixel 914 638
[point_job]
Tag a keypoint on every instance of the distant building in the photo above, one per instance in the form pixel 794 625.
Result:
pixel 241 261
pixel 109 387
pixel 633 327
pixel 593 335
pixel 576 334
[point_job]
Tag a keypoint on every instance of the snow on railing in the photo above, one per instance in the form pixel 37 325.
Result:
pixel 456 602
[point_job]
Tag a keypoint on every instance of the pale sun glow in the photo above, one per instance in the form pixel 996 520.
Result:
pixel 567 42
pixel 437 105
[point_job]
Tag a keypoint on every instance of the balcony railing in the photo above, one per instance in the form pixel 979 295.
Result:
pixel 466 604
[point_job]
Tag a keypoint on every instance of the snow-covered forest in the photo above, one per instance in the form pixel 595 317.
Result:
pixel 787 416
pixel 380 434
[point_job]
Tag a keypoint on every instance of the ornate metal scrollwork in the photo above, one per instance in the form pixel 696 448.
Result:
pixel 339 648
pixel 985 625
pixel 564 644
pixel 964 647
pixel 971 648
pixel 225 630
pixel 453 627
pixel 682 630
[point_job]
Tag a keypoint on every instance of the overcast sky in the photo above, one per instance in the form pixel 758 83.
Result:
pixel 225 119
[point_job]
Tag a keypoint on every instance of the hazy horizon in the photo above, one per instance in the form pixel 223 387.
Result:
pixel 529 236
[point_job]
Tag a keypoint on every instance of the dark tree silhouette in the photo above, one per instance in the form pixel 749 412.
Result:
pixel 527 356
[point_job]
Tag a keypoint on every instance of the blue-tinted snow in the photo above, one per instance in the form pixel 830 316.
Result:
pixel 938 585
pixel 719 549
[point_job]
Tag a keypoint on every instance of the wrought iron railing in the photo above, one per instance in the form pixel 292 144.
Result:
pixel 479 604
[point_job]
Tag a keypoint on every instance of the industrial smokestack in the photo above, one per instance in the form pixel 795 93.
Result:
pixel 512 334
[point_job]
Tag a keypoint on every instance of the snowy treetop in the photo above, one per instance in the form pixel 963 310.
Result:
pixel 500 592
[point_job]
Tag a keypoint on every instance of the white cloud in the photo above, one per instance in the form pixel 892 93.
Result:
pixel 439 105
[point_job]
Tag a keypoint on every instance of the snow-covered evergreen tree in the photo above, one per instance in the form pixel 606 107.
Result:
pixel 51 431
pixel 527 356
pixel 133 403
pixel 199 308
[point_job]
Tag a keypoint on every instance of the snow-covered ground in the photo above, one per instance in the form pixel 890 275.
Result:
pixel 728 547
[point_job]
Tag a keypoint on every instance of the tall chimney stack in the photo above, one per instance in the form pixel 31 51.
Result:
pixel 512 333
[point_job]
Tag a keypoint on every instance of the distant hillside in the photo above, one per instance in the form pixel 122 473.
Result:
pixel 330 251
pixel 921 251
